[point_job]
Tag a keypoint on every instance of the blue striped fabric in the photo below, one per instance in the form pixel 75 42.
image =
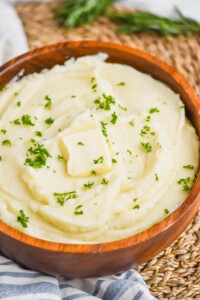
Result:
pixel 18 283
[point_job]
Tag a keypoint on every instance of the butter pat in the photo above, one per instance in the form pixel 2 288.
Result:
pixel 85 152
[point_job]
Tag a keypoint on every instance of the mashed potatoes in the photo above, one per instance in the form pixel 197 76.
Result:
pixel 92 152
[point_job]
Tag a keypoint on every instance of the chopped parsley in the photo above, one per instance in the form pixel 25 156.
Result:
pixel 190 167
pixel 104 181
pixel 3 131
pixel 121 107
pixel 23 219
pixel 166 211
pixel 6 143
pixel 17 122
pixel 121 83
pixel 146 130
pixel 2 88
pixel 184 182
pixel 182 106
pixel 135 199
pixel 39 154
pixel 132 123
pixel 104 130
pixel 94 87
pixel 129 151
pixel 78 210
pixel 49 121
pixel 154 110
pixel 93 172
pixel 114 118
pixel 18 103
pixel 38 133
pixel 0 158
pixel 136 207
pixel 73 96
pixel 99 160
pixel 93 79
pixel 148 118
pixel 156 177
pixel 63 197
pixel 114 161
pixel 146 146
pixel 26 120
pixel 80 144
pixel 60 157
pixel 108 100
pixel 88 185
pixel 49 102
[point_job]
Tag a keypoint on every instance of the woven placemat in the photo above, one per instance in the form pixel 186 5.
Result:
pixel 174 273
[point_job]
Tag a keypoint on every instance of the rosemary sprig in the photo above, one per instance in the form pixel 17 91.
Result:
pixel 73 13
pixel 147 22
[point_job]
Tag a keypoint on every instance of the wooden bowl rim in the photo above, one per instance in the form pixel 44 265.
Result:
pixel 149 233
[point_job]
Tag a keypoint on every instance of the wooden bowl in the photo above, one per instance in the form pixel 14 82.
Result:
pixel 104 258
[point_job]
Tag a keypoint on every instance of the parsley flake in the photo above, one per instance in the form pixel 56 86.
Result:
pixel 104 181
pixel 166 211
pixel 3 131
pixel 18 103
pixel 121 83
pixel 106 104
pixel 23 219
pixel 136 207
pixel 122 108
pixel 93 172
pixel 49 121
pixel 146 146
pixel 78 210
pixel 63 197
pixel 49 102
pixel 38 133
pixel 190 167
pixel 88 185
pixel 40 155
pixel 26 120
pixel 184 182
pixel 154 110
pixel 6 143
pixel 17 122
pixel 80 144
pixel 114 118
pixel 156 177
pixel 104 130
pixel 132 123
pixel 99 160
pixel 114 161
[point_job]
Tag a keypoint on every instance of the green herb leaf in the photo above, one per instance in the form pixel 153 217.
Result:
pixel 16 122
pixel 99 160
pixel 80 143
pixel 136 207
pixel 166 211
pixel 18 103
pixel 63 197
pixel 132 123
pixel 49 102
pixel 104 129
pixel 3 131
pixel 38 133
pixel 114 161
pixel 146 146
pixel 93 172
pixel 23 219
pixel 73 13
pixel 49 121
pixel 88 185
pixel 184 182
pixel 104 181
pixel 190 167
pixel 147 22
pixel 154 110
pixel 114 118
pixel 40 155
pixel 78 210
pixel 6 143
pixel 106 104
pixel 121 83
pixel 122 108
pixel 156 177
pixel 26 120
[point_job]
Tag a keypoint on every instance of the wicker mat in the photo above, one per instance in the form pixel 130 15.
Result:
pixel 174 273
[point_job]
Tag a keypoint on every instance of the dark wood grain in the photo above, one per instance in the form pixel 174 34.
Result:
pixel 104 258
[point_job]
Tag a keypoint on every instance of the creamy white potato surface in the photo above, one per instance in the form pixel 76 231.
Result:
pixel 92 152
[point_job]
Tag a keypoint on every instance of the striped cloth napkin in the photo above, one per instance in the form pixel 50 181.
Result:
pixel 18 283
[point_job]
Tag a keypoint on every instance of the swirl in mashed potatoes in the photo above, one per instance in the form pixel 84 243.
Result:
pixel 92 152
